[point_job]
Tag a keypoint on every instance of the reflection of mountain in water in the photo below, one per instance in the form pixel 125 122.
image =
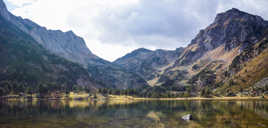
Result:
pixel 155 114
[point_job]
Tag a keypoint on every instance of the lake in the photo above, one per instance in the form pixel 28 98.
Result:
pixel 149 114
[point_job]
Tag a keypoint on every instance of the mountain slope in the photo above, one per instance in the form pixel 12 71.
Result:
pixel 210 56
pixel 247 69
pixel 64 44
pixel 73 48
pixel 25 65
pixel 148 64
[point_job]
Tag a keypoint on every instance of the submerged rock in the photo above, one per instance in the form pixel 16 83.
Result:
pixel 187 117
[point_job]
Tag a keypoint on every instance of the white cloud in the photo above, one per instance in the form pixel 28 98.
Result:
pixel 113 28
pixel 77 15
pixel 20 3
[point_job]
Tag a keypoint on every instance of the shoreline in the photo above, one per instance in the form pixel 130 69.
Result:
pixel 138 99
pixel 201 98
pixel 123 100
pixel 131 98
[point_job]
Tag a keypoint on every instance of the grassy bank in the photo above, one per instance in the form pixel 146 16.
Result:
pixel 123 98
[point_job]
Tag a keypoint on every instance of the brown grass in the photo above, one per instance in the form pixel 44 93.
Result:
pixel 132 99
pixel 254 70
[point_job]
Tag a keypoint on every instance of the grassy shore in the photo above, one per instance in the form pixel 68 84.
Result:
pixel 84 100
pixel 125 98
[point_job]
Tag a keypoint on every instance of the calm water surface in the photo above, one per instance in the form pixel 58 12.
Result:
pixel 154 114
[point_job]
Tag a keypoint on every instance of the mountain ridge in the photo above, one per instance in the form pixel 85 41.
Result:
pixel 27 67
pixel 54 40
pixel 147 63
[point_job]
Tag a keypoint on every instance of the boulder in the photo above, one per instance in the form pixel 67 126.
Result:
pixel 187 117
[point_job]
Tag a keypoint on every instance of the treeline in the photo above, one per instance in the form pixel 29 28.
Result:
pixel 7 87
pixel 158 92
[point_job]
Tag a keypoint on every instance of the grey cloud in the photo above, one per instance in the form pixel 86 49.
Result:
pixel 163 23
pixel 257 7
pixel 151 21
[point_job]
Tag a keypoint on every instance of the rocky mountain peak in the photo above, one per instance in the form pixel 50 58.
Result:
pixel 231 28
pixel 142 50
pixel 238 16
pixel 232 13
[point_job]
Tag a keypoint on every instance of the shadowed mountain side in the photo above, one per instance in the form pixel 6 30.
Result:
pixel 27 67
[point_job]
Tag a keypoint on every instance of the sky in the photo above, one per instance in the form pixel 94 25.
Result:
pixel 113 28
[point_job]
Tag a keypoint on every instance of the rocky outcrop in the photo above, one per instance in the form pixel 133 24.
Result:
pixel 262 84
pixel 260 88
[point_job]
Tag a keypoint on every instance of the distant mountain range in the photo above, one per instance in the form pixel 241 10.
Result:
pixel 228 57
pixel 149 64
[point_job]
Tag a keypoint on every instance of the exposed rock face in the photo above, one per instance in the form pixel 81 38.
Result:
pixel 65 44
pixel 232 29
pixel 149 64
pixel 248 68
pixel 261 87
pixel 73 48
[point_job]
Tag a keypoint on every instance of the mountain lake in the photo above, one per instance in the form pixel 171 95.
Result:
pixel 146 114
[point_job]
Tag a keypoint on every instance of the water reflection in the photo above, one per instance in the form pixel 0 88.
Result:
pixel 154 114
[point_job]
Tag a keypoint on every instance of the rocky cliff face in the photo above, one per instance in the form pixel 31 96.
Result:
pixel 248 68
pixel 73 48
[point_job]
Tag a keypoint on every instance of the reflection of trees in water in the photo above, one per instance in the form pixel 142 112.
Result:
pixel 258 107
pixel 229 114
pixel 155 114
pixel 156 119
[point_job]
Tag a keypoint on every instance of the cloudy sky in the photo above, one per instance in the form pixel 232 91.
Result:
pixel 112 28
